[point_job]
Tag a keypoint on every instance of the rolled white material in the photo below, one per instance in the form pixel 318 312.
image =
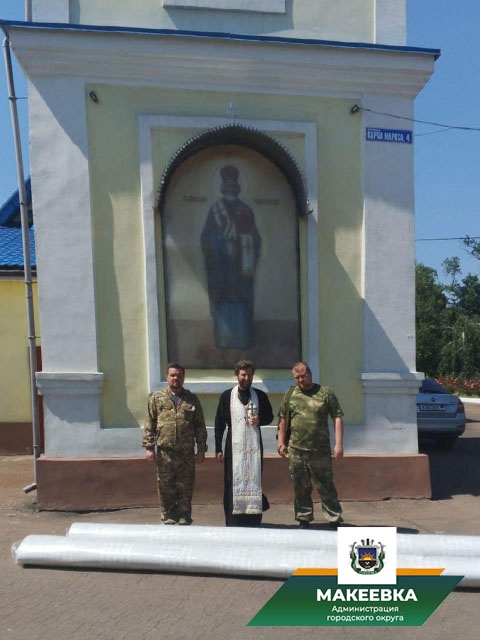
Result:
pixel 219 558
pixel 407 544
pixel 284 538
pixel 440 545
pixel 140 555
pixel 452 565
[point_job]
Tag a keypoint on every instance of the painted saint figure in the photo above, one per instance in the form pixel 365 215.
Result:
pixel 231 247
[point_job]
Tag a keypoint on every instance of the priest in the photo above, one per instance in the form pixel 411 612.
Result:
pixel 242 411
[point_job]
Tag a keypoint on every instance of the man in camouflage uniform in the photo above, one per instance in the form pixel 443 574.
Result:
pixel 174 425
pixel 303 438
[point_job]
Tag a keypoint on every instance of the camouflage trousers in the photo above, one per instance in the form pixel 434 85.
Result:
pixel 175 479
pixel 308 466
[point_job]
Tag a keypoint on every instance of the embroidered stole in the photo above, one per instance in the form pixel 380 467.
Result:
pixel 246 457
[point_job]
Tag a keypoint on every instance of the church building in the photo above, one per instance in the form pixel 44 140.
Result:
pixel 143 116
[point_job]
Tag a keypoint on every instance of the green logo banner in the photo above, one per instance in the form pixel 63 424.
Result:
pixel 318 600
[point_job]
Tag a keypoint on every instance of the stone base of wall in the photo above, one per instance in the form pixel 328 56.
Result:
pixel 16 438
pixel 88 484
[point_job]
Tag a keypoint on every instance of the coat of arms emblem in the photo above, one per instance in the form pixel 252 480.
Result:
pixel 367 556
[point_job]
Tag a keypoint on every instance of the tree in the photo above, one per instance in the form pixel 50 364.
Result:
pixel 473 246
pixel 451 267
pixel 447 322
pixel 460 355
pixel 432 319
pixel 468 296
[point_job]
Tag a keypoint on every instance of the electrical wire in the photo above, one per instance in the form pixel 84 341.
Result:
pixel 432 133
pixel 357 108
pixel 436 239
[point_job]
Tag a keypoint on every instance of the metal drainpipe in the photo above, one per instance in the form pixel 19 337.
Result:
pixel 28 10
pixel 26 257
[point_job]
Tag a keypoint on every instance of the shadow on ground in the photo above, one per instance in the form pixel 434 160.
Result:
pixel 454 471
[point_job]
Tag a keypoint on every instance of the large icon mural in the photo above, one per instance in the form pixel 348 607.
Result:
pixel 231 262
pixel 231 246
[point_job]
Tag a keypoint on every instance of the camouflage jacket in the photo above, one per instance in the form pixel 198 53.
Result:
pixel 175 428
pixel 309 411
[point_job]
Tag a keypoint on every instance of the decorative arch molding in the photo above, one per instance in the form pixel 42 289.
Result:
pixel 150 126
pixel 243 136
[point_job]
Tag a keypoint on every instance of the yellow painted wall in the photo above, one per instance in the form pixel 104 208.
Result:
pixel 116 198
pixel 15 398
pixel 342 20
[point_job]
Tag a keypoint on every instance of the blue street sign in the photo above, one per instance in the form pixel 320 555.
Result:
pixel 389 135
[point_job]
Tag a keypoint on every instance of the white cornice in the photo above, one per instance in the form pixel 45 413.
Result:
pixel 217 64
pixel 385 383
pixel 69 383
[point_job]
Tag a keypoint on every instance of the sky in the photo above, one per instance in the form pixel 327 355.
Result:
pixel 447 162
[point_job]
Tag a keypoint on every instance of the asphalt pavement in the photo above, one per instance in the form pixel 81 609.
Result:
pixel 63 604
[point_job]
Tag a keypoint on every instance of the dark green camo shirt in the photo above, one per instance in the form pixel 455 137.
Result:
pixel 309 411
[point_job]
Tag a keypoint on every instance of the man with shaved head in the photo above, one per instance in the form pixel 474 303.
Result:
pixel 304 438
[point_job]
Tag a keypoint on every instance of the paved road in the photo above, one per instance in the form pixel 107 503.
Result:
pixel 48 604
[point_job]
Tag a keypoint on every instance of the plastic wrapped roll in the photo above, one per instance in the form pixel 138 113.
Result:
pixel 286 538
pixel 200 557
pixel 95 553
pixel 407 544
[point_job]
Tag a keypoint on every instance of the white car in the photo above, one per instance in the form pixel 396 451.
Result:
pixel 440 414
